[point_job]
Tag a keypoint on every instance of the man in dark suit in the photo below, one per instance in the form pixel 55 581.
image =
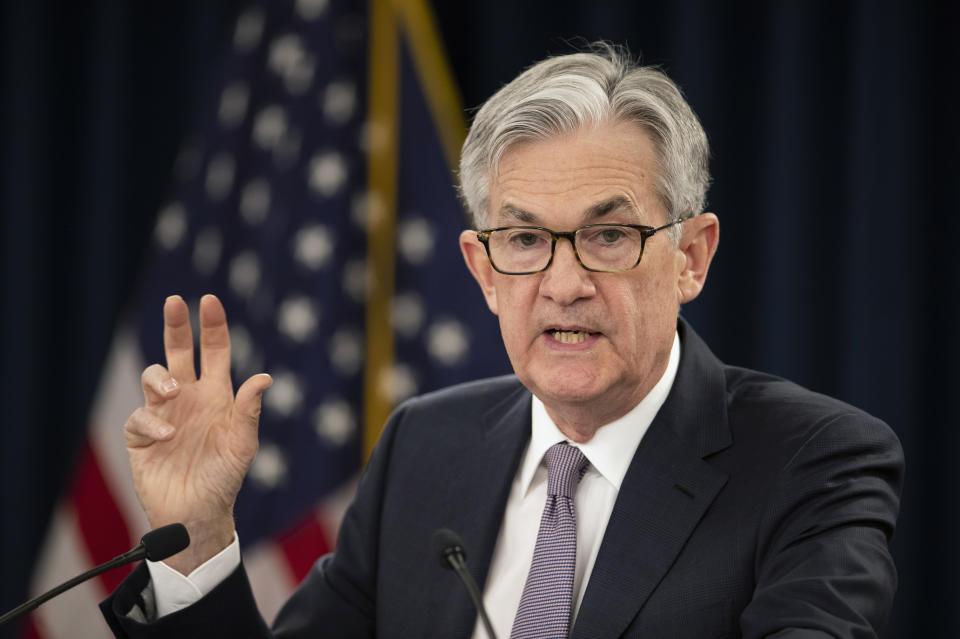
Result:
pixel 623 483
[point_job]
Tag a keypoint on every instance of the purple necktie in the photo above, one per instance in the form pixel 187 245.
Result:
pixel 545 605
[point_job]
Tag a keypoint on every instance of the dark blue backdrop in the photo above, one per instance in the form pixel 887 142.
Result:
pixel 834 132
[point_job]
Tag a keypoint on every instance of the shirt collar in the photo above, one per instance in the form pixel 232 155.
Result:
pixel 611 449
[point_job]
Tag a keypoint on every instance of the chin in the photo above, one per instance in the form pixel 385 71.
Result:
pixel 568 386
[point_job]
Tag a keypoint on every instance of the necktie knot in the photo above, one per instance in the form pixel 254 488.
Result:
pixel 565 466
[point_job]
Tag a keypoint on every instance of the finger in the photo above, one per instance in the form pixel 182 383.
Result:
pixel 178 339
pixel 144 428
pixel 158 385
pixel 250 399
pixel 214 339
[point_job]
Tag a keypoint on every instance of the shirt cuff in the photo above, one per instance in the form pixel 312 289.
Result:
pixel 173 591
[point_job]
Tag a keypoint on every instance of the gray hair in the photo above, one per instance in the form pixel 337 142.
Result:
pixel 570 92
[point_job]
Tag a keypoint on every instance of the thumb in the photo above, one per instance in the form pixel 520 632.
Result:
pixel 249 396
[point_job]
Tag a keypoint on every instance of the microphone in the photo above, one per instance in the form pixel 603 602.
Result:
pixel 156 545
pixel 161 543
pixel 449 548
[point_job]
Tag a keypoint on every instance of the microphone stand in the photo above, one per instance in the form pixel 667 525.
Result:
pixel 157 544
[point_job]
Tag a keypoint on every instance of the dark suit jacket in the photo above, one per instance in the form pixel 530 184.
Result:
pixel 752 507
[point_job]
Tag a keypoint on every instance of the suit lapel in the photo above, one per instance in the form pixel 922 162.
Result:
pixel 664 494
pixel 498 446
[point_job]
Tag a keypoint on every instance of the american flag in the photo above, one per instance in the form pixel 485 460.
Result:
pixel 279 201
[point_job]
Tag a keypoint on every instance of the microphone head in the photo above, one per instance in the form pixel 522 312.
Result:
pixel 448 546
pixel 165 541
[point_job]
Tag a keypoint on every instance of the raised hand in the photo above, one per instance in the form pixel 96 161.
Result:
pixel 192 442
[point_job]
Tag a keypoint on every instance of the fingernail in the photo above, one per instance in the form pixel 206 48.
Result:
pixel 168 385
pixel 164 431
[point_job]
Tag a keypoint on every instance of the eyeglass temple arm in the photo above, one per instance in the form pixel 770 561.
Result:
pixel 665 226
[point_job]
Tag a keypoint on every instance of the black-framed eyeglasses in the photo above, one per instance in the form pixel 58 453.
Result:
pixel 601 248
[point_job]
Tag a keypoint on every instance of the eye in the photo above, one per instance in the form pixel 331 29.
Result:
pixel 605 236
pixel 611 235
pixel 523 239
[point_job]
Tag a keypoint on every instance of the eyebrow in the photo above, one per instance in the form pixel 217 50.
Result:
pixel 609 206
pixel 591 214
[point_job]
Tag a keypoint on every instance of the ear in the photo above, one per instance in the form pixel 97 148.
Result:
pixel 475 255
pixel 698 244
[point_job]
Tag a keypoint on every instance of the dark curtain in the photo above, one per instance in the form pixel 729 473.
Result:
pixel 96 97
pixel 834 133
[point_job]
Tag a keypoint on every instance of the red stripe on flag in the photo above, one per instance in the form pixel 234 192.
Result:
pixel 303 544
pixel 103 527
pixel 29 629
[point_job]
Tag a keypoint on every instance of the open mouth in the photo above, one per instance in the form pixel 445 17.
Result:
pixel 569 336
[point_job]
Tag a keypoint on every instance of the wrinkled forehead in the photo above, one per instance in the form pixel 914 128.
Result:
pixel 617 207
pixel 587 176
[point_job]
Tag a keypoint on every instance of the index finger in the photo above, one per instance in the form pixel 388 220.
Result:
pixel 214 339
pixel 178 339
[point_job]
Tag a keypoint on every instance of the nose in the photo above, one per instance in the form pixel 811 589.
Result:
pixel 566 281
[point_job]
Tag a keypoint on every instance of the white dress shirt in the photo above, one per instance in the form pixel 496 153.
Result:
pixel 609 452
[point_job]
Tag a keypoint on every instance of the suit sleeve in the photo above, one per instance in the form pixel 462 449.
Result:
pixel 823 564
pixel 335 600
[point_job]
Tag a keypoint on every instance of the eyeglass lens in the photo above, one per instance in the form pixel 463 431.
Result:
pixel 601 247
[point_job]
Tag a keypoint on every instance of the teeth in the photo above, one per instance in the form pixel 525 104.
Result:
pixel 570 337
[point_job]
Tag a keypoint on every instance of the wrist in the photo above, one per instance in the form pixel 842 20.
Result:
pixel 207 539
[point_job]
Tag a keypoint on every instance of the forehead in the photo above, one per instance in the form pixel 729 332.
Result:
pixel 593 173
